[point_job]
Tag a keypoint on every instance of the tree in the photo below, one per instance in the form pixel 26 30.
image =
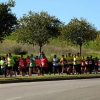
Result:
pixel 97 40
pixel 8 20
pixel 78 32
pixel 37 28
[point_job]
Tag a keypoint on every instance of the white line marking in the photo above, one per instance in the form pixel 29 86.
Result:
pixel 14 98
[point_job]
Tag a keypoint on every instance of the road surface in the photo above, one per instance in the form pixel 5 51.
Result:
pixel 83 89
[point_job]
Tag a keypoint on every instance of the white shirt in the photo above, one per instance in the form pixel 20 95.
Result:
pixel 55 61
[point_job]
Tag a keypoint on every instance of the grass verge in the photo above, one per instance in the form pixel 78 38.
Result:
pixel 45 78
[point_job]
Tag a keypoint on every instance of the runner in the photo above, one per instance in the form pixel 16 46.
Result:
pixel 27 65
pixel 55 65
pixel 69 60
pixel 99 65
pixel 74 64
pixel 78 63
pixel 83 65
pixel 87 65
pixel 44 64
pixel 10 62
pixel 31 65
pixel 63 64
pixel 40 55
pixel 96 65
pixel 6 65
pixel 90 64
pixel 16 67
pixel 2 64
pixel 22 65
pixel 38 65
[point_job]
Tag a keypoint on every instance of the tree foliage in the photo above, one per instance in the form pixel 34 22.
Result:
pixel 8 20
pixel 78 32
pixel 37 28
pixel 97 40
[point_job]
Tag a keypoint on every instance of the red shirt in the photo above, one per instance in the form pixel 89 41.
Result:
pixel 44 62
pixel 83 63
pixel 27 60
pixel 21 61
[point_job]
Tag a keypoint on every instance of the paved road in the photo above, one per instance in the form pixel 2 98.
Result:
pixel 87 89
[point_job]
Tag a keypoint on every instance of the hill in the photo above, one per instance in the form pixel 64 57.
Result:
pixel 54 47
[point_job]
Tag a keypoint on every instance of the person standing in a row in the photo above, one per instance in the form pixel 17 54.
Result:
pixel 44 64
pixel 2 65
pixel 55 65
pixel 78 63
pixel 22 65
pixel 31 65
pixel 10 64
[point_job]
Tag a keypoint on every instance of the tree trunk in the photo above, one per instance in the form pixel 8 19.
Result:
pixel 40 49
pixel 80 49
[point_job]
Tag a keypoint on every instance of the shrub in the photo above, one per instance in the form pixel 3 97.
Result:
pixel 16 49
pixel 23 52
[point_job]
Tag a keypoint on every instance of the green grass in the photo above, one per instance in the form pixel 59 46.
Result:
pixel 55 46
pixel 47 77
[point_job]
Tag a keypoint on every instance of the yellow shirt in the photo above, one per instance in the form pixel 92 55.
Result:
pixel 74 60
pixel 69 60
pixel 78 60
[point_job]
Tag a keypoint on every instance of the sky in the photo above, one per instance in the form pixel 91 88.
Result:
pixel 65 10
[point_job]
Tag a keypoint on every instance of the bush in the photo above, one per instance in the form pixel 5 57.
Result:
pixel 23 52
pixel 16 49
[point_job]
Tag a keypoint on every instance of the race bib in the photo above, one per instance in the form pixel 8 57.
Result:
pixel 42 63
pixel 90 62
pixel 96 64
pixel 22 65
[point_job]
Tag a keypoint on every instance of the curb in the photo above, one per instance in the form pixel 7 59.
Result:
pixel 48 79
